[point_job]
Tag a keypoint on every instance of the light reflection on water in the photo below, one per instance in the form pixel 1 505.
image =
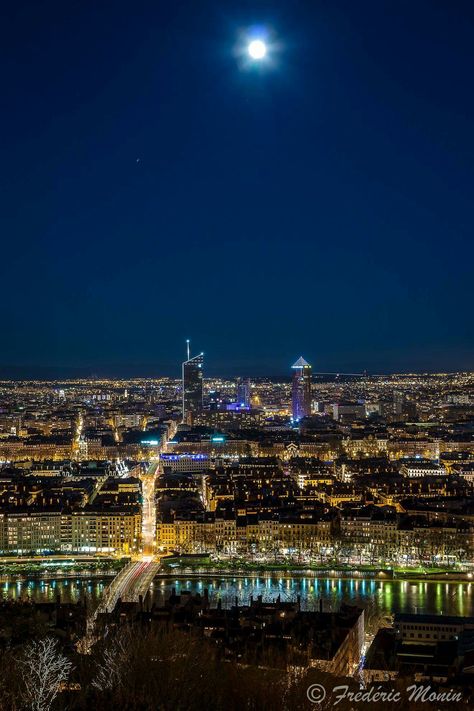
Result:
pixel 451 598
pixel 70 590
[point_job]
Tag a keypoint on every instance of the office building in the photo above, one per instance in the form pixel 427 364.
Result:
pixel 243 392
pixel 301 390
pixel 192 387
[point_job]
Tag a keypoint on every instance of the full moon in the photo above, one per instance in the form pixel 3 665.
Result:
pixel 257 49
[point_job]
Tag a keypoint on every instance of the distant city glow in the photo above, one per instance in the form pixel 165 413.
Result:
pixel 257 49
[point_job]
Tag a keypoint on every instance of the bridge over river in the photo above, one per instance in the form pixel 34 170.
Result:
pixel 132 581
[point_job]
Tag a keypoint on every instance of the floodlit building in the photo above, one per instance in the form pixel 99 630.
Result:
pixel 111 531
pixel 243 392
pixel 301 389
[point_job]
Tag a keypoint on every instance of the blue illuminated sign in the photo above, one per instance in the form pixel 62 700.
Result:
pixel 176 457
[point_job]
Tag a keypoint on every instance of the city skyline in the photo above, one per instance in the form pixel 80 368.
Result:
pixel 173 371
pixel 339 508
pixel 218 370
pixel 237 360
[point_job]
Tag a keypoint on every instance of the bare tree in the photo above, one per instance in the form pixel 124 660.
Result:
pixel 113 662
pixel 44 671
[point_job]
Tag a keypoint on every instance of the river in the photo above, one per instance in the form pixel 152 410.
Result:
pixel 385 597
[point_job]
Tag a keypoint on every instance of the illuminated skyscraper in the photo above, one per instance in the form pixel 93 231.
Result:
pixel 301 391
pixel 192 387
pixel 243 392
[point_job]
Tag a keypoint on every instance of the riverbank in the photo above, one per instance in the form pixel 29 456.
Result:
pixel 183 566
pixel 195 566
pixel 59 568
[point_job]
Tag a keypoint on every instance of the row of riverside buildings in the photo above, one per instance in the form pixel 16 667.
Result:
pixel 374 535
pixel 28 531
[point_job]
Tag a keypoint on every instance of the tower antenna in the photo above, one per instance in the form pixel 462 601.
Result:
pixel 187 347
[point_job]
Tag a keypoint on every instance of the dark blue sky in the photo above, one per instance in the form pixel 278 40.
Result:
pixel 322 206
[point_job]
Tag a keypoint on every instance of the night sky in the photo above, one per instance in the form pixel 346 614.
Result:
pixel 155 188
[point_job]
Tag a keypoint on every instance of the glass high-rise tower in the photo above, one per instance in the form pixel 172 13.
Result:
pixel 243 392
pixel 192 387
pixel 301 390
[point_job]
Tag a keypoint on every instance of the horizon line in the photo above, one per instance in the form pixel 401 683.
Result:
pixel 9 373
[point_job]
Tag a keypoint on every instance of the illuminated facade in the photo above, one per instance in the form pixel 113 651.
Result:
pixel 31 531
pixel 243 392
pixel 185 462
pixel 301 389
pixel 111 531
pixel 82 531
pixel 230 420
